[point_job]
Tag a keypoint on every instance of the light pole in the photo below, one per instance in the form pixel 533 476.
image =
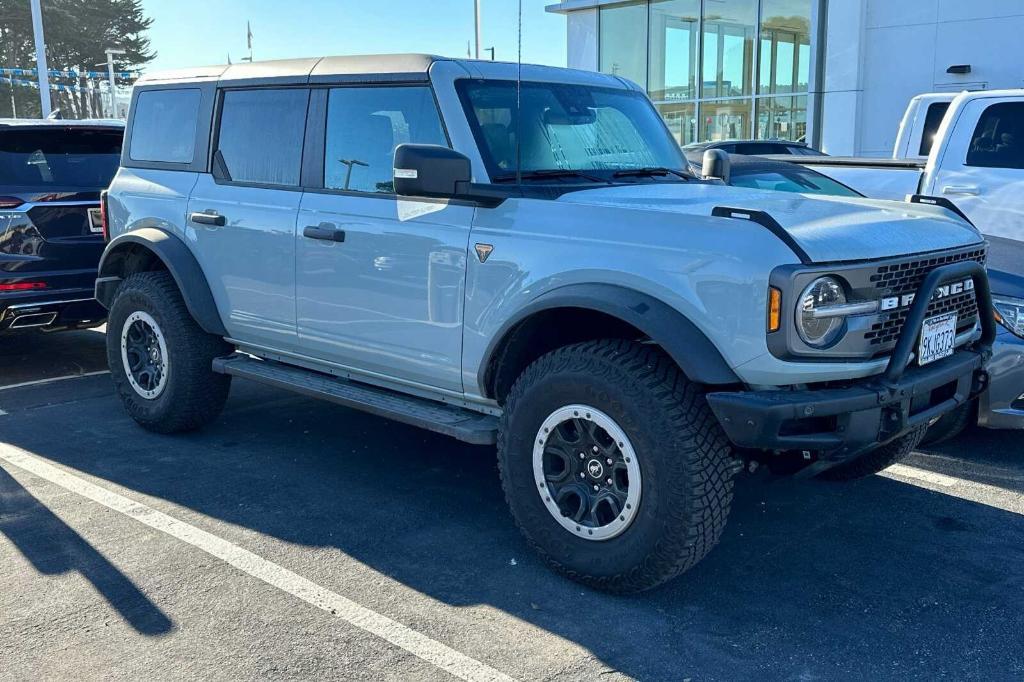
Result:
pixel 110 52
pixel 42 72
pixel 476 21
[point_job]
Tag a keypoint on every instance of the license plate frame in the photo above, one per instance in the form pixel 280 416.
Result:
pixel 938 338
pixel 95 221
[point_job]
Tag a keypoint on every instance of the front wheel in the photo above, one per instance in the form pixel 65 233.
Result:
pixel 160 359
pixel 613 466
pixel 951 424
pixel 876 460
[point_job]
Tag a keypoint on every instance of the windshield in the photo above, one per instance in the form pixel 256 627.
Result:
pixel 796 179
pixel 567 128
pixel 59 157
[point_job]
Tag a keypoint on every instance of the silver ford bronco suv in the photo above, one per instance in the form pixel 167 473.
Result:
pixel 520 256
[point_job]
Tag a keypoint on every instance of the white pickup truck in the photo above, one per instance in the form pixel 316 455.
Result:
pixel 920 125
pixel 976 160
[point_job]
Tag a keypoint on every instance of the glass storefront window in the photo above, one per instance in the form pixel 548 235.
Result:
pixel 674 35
pixel 742 68
pixel 623 41
pixel 785 50
pixel 681 120
pixel 725 120
pixel 782 118
pixel 729 30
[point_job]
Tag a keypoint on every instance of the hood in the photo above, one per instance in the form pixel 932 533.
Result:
pixel 827 228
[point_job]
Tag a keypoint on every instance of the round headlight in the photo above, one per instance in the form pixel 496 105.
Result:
pixel 814 329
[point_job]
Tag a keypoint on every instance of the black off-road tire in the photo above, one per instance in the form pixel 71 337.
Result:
pixel 876 460
pixel 952 424
pixel 685 461
pixel 193 394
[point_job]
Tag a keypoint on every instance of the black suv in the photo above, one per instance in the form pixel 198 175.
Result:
pixel 51 225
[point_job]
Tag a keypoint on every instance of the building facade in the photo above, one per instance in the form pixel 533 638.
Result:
pixel 836 73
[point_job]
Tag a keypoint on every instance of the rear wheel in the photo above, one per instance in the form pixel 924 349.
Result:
pixel 160 359
pixel 876 460
pixel 613 466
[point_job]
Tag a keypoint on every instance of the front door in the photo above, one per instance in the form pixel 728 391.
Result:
pixel 380 280
pixel 982 171
pixel 244 225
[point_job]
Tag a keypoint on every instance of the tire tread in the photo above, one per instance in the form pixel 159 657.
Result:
pixel 199 394
pixel 703 459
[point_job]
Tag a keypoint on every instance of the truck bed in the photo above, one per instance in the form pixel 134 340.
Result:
pixel 849 161
pixel 890 179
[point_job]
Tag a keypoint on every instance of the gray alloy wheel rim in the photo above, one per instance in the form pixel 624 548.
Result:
pixel 587 472
pixel 144 355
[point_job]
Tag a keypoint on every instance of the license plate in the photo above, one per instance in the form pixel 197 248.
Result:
pixel 938 338
pixel 95 220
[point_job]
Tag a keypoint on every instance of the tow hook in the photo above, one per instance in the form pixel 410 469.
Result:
pixel 892 422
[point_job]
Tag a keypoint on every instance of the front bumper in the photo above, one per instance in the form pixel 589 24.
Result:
pixel 836 424
pixel 841 423
pixel 1002 405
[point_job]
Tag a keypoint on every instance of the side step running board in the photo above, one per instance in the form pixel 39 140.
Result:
pixel 457 422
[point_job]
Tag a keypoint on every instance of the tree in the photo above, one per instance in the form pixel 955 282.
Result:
pixel 77 33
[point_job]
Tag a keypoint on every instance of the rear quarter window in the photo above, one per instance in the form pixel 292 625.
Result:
pixel 932 121
pixel 164 126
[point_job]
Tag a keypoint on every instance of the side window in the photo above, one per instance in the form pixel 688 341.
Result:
pixel 998 141
pixel 364 125
pixel 164 126
pixel 932 121
pixel 261 133
pixel 756 148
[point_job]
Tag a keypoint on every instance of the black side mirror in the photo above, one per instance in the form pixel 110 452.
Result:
pixel 428 170
pixel 716 166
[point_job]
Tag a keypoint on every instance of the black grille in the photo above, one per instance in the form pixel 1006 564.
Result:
pixel 904 278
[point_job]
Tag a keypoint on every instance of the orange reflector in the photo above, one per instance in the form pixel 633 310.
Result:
pixel 774 309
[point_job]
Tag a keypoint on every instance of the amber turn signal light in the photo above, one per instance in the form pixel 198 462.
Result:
pixel 774 309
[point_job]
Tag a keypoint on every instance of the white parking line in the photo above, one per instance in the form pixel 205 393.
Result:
pixel 982 493
pixel 40 382
pixel 412 641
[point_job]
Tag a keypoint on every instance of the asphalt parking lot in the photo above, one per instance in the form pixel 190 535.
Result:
pixel 297 539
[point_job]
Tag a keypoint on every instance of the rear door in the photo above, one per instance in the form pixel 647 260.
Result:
pixel 982 167
pixel 380 280
pixel 243 222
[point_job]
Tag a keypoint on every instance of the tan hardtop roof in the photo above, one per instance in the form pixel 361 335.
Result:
pixel 390 66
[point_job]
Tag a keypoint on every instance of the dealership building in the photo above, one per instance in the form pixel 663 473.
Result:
pixel 836 73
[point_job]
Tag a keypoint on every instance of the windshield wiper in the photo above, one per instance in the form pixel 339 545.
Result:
pixel 551 173
pixel 650 172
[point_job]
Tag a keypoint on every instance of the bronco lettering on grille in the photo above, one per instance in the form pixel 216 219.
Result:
pixel 904 301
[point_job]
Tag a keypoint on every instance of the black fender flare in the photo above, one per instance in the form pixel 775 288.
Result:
pixel 176 257
pixel 684 342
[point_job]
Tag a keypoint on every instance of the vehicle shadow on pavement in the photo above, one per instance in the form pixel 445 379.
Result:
pixel 872 578
pixel 997 458
pixel 53 548
pixel 35 355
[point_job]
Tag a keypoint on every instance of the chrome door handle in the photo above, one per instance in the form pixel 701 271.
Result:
pixel 970 190
pixel 324 232
pixel 208 218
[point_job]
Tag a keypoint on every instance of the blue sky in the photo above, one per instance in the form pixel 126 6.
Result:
pixel 197 32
